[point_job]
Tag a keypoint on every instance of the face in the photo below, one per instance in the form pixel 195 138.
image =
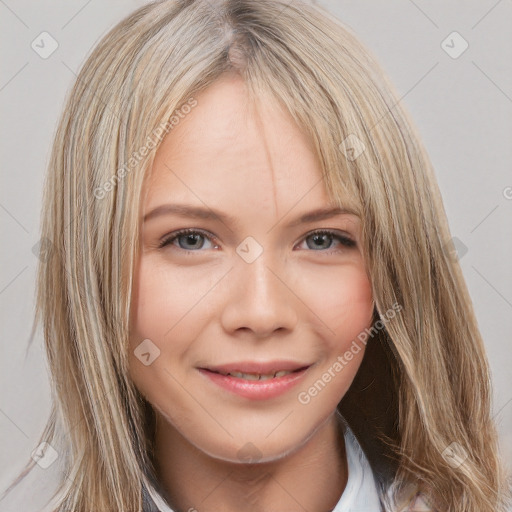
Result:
pixel 260 282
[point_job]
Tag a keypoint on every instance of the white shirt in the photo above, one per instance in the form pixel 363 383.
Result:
pixel 360 493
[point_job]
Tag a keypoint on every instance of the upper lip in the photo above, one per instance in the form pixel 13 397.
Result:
pixel 262 368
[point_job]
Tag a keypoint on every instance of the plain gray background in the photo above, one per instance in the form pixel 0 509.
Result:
pixel 462 107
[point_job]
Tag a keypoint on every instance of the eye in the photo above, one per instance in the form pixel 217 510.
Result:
pixel 187 239
pixel 324 239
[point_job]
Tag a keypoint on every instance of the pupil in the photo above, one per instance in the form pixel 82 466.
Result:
pixel 192 239
pixel 320 239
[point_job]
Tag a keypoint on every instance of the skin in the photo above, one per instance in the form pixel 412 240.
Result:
pixel 303 298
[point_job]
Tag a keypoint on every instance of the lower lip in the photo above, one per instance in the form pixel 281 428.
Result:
pixel 256 389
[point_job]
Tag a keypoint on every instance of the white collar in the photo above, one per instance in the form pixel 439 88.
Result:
pixel 360 493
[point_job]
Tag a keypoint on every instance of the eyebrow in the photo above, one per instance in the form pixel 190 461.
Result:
pixel 198 212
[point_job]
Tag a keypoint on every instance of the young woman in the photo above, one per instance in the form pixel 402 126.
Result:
pixel 249 303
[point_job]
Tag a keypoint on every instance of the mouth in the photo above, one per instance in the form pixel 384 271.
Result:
pixel 258 371
pixel 256 381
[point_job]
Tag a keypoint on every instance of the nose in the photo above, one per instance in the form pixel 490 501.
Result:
pixel 259 299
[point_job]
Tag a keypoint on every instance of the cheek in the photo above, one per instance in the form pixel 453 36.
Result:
pixel 167 309
pixel 161 302
pixel 345 306
pixel 344 302
pixel 155 315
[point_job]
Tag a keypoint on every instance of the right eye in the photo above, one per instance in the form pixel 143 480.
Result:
pixel 190 240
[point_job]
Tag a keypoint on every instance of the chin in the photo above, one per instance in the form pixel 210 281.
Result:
pixel 255 448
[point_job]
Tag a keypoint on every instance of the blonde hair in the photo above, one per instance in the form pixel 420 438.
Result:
pixel 430 358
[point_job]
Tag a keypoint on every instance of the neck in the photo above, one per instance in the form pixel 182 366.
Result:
pixel 310 478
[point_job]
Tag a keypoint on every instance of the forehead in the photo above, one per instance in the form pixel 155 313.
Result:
pixel 229 149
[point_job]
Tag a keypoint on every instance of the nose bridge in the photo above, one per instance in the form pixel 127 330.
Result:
pixel 260 280
pixel 259 299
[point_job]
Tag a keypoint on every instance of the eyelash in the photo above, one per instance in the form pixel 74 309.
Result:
pixel 348 243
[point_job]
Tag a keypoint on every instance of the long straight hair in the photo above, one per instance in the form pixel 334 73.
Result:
pixel 423 386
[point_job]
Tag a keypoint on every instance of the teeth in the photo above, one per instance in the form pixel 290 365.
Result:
pixel 257 376
pixel 248 376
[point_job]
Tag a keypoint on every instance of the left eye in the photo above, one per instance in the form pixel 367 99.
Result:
pixel 324 239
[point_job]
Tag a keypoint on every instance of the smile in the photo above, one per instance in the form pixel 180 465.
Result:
pixel 262 385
